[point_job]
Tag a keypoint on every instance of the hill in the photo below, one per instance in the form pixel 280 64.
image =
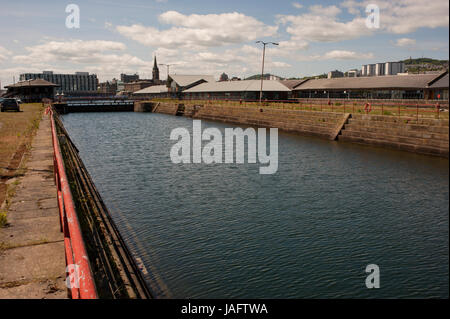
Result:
pixel 266 76
pixel 425 64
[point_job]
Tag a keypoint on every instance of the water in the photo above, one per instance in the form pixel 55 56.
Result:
pixel 309 231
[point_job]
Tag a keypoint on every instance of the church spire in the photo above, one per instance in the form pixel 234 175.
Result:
pixel 155 71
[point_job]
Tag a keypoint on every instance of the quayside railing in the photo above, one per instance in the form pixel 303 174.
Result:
pixel 80 279
pixel 417 110
pixel 100 265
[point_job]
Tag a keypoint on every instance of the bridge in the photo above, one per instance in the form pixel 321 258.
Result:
pixel 94 104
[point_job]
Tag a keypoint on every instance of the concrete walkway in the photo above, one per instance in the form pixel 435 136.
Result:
pixel 32 262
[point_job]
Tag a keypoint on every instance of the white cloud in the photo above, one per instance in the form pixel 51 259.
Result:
pixel 346 55
pixel 321 24
pixel 197 31
pixel 72 51
pixel 297 5
pixel 104 57
pixel 409 15
pixel 334 55
pixel 4 53
pixel 406 16
pixel 405 42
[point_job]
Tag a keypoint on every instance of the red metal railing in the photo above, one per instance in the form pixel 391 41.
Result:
pixel 80 279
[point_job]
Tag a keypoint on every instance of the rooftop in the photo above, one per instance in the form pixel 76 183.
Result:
pixel 441 82
pixel 185 80
pixel 292 84
pixel 29 83
pixel 418 81
pixel 153 90
pixel 239 86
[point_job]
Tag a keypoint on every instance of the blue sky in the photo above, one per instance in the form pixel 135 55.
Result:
pixel 211 37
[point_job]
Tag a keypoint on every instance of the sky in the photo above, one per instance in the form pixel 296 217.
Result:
pixel 211 37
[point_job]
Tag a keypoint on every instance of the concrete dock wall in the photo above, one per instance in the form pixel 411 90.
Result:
pixel 305 122
pixel 424 135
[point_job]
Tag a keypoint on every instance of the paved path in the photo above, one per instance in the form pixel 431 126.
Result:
pixel 32 262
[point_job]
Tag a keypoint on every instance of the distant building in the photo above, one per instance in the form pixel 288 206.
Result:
pixel 393 68
pixel 371 68
pixel 67 83
pixel 273 78
pixel 108 87
pixel 126 78
pixel 31 90
pixel 353 73
pixel 335 74
pixel 384 68
pixel 223 77
pixel 136 86
pixel 379 69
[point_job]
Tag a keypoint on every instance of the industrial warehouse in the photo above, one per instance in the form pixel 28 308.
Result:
pixel 390 87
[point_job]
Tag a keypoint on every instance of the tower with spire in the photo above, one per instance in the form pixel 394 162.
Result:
pixel 155 72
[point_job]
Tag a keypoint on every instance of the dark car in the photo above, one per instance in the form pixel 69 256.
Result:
pixel 10 104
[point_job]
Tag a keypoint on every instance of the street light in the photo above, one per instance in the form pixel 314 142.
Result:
pixel 168 66
pixel 262 72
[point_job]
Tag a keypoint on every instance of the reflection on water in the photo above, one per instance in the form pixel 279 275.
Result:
pixel 308 231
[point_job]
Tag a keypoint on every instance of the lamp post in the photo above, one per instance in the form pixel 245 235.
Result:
pixel 262 72
pixel 168 66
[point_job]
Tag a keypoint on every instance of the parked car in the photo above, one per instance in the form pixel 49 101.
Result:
pixel 10 104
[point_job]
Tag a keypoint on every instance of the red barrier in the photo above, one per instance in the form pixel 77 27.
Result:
pixel 76 256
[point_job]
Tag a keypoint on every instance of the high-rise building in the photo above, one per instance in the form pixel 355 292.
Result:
pixel 364 70
pixel 379 69
pixel 68 83
pixel 393 68
pixel 385 68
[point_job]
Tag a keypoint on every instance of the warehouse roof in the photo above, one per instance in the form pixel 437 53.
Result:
pixel 439 83
pixel 292 84
pixel 239 86
pixel 153 90
pixel 369 82
pixel 185 80
pixel 27 83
